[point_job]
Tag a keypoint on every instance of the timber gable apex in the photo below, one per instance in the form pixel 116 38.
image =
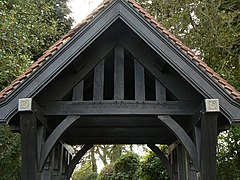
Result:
pixel 76 40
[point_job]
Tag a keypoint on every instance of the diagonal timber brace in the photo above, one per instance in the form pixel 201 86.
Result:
pixel 54 137
pixel 76 159
pixel 183 137
pixel 163 158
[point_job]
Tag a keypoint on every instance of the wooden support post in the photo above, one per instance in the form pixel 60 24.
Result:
pixel 62 163
pixel 28 129
pixel 139 81
pixel 78 91
pixel 119 73
pixel 56 161
pixel 205 135
pixel 41 132
pixel 98 84
pixel 182 173
pixel 208 146
pixel 46 172
pixel 160 91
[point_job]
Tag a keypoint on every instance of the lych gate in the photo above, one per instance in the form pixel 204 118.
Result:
pixel 120 79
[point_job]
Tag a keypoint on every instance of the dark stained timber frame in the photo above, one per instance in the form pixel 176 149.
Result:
pixel 183 137
pixel 28 129
pixel 155 95
pixel 54 137
pixel 119 108
pixel 77 158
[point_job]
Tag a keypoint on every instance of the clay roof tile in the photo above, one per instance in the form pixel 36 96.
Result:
pixel 144 13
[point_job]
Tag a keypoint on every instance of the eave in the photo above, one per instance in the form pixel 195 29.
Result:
pixel 172 51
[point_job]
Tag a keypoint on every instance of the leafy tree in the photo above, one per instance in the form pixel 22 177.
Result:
pixel 85 173
pixel 9 154
pixel 151 166
pixel 124 168
pixel 228 155
pixel 27 29
pixel 211 29
pixel 107 173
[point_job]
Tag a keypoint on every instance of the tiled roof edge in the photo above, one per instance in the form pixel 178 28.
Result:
pixel 216 77
pixel 47 54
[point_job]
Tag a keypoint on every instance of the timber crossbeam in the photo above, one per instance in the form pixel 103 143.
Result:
pixel 119 108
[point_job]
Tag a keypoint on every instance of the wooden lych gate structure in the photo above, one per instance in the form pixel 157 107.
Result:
pixel 119 77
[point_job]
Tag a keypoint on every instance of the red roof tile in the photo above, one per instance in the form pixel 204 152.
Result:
pixel 234 93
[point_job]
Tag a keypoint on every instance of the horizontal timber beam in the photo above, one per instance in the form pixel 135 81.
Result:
pixel 118 140
pixel 119 121
pixel 119 108
pixel 113 132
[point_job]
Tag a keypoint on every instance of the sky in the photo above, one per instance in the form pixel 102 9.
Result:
pixel 81 8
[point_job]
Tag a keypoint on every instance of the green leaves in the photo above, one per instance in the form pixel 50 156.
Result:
pixel 228 154
pixel 85 173
pixel 152 168
pixel 27 29
pixel 10 161
pixel 124 168
pixel 210 28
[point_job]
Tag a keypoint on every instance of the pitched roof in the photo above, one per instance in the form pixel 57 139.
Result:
pixel 215 76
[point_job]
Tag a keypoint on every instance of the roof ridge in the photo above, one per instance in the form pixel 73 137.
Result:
pixel 185 49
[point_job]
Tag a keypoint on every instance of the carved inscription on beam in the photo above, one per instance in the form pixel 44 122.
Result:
pixel 119 108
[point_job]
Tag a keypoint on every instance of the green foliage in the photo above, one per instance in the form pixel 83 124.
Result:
pixel 27 29
pixel 107 173
pixel 211 28
pixel 228 155
pixel 125 168
pixel 152 168
pixel 9 154
pixel 85 173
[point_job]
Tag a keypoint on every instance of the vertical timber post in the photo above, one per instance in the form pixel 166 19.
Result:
pixel 28 130
pixel 181 156
pixel 209 140
pixel 119 73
